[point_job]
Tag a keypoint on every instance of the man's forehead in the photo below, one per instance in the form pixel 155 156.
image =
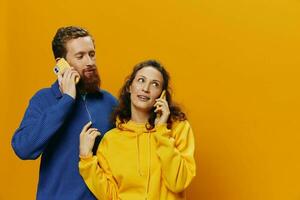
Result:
pixel 80 44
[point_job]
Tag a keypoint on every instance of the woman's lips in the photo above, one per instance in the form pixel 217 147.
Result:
pixel 143 98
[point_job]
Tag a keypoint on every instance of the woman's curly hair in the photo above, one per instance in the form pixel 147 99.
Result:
pixel 123 111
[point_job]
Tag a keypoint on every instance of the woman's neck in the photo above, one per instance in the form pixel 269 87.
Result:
pixel 139 116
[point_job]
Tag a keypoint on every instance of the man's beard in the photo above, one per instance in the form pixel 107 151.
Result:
pixel 89 81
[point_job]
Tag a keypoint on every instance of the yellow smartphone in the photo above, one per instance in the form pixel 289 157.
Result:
pixel 61 66
pixel 162 96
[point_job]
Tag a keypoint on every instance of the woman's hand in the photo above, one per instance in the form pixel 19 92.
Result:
pixel 162 110
pixel 87 140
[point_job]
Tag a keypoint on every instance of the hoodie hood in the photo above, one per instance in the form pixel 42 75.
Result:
pixel 135 127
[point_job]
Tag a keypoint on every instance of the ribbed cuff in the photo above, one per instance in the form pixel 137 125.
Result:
pixel 86 158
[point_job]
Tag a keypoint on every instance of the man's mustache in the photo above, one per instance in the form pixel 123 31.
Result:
pixel 89 69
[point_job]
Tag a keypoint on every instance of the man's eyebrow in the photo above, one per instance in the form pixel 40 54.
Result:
pixel 83 52
pixel 80 52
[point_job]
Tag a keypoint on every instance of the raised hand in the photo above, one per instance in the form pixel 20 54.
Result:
pixel 162 109
pixel 87 140
pixel 67 81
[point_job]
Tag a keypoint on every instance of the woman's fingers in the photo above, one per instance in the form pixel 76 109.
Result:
pixel 90 130
pixel 94 134
pixel 87 140
pixel 85 128
pixel 162 108
pixel 161 105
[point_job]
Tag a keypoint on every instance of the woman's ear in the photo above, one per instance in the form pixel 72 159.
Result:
pixel 128 89
pixel 128 86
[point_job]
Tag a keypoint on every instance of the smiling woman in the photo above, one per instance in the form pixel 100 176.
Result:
pixel 155 151
pixel 144 90
pixel 159 79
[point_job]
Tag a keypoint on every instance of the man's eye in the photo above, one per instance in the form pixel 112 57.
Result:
pixel 141 80
pixel 92 54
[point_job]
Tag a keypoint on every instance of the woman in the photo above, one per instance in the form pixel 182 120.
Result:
pixel 149 155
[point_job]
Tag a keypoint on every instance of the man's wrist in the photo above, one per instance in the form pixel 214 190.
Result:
pixel 73 96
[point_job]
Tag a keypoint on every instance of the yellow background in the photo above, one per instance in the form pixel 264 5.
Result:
pixel 234 66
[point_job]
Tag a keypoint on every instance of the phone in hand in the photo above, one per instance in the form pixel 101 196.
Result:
pixel 61 66
pixel 162 96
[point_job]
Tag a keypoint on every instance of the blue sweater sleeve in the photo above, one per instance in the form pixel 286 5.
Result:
pixel 40 122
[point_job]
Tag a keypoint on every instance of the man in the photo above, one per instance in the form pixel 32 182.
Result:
pixel 55 116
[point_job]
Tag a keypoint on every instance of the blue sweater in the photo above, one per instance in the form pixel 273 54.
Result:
pixel 51 127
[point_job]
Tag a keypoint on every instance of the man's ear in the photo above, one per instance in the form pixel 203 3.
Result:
pixel 57 59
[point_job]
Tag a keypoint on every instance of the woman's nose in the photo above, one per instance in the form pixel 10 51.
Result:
pixel 146 87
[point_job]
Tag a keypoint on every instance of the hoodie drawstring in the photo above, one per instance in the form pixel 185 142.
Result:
pixel 149 160
pixel 149 165
pixel 138 155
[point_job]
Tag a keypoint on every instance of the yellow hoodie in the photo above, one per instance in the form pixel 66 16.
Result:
pixel 133 163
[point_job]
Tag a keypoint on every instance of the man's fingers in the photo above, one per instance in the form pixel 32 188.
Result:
pixel 75 75
pixel 59 78
pixel 70 73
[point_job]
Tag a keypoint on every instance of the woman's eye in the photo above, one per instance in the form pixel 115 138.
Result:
pixel 141 80
pixel 155 84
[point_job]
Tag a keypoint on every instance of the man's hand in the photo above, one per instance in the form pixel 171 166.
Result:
pixel 67 82
pixel 87 140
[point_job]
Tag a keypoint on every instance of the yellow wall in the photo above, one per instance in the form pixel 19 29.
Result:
pixel 234 67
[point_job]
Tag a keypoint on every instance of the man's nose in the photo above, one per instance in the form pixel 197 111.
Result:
pixel 90 61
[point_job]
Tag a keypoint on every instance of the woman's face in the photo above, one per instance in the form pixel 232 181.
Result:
pixel 145 88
